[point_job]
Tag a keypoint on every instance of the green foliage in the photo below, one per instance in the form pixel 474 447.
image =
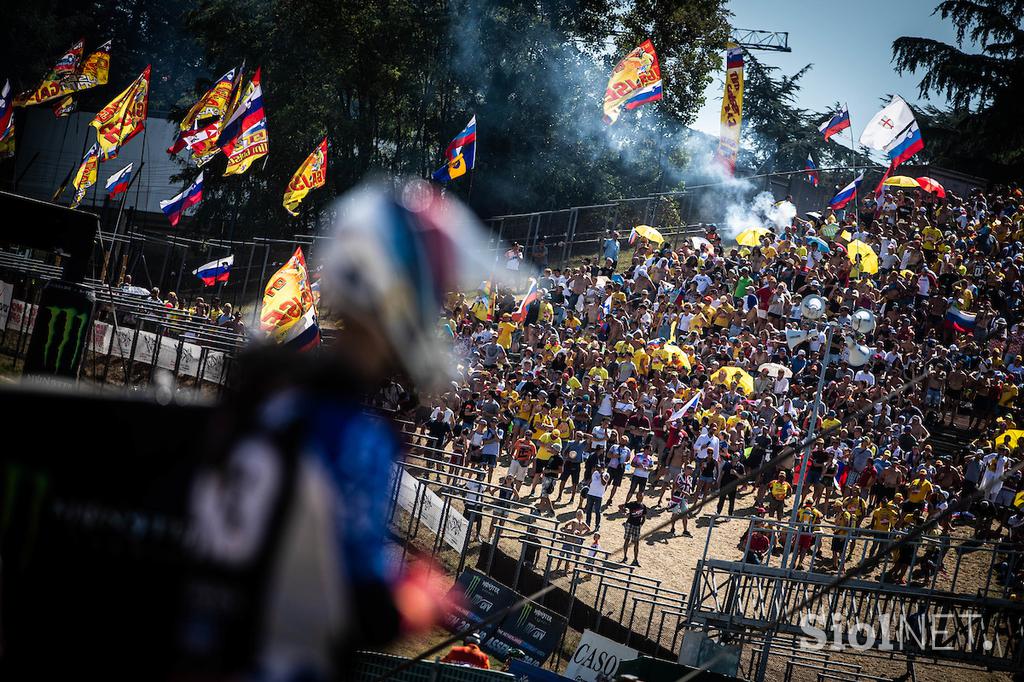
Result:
pixel 980 131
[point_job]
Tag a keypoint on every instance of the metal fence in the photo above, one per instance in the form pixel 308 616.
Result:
pixel 371 665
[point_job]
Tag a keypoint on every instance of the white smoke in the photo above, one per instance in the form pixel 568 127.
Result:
pixel 762 211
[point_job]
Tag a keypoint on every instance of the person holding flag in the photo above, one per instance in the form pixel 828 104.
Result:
pixel 843 197
pixel 812 171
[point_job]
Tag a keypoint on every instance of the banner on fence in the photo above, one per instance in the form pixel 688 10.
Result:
pixel 525 672
pixel 431 509
pixel 597 658
pixel 5 303
pixel 211 366
pixel 530 628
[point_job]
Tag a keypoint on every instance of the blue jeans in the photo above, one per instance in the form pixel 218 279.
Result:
pixel 593 506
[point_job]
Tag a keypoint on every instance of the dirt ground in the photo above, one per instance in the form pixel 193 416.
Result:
pixel 673 560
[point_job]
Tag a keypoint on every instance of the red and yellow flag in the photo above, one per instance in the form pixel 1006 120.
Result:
pixel 732 109
pixel 124 117
pixel 311 174
pixel 86 175
pixel 68 76
pixel 288 301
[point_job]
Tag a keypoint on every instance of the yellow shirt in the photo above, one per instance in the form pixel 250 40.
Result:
pixel 642 361
pixel 780 489
pixel 505 331
pixel 598 372
pixel 883 518
pixel 544 452
pixel 830 423
pixel 1008 395
pixel 918 490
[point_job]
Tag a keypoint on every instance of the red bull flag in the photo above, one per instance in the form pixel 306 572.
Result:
pixel 243 137
pixel 732 109
pixel 124 117
pixel 95 70
pixel 86 175
pixel 634 81
pixel 288 314
pixel 311 174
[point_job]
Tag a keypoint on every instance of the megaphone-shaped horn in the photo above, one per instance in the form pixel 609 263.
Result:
pixel 812 307
pixel 857 353
pixel 863 321
pixel 794 337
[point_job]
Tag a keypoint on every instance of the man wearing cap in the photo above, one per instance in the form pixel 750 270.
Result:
pixel 468 654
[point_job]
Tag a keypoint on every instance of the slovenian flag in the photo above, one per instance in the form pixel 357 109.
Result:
pixel 961 321
pixel 119 181
pixel 215 271
pixel 460 154
pixel 839 122
pixel 846 193
pixel 905 145
pixel 812 171
pixel 687 406
pixel 173 208
pixel 531 295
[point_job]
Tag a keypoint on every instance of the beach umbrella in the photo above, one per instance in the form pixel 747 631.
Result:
pixel 726 375
pixel 820 244
pixel 752 236
pixel 929 185
pixel 677 352
pixel 775 369
pixel 700 243
pixel 901 181
pixel 868 257
pixel 649 233
pixel 1009 437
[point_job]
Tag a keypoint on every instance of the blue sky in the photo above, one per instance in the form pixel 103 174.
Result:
pixel 849 45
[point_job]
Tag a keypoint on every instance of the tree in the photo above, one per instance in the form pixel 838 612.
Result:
pixel 980 131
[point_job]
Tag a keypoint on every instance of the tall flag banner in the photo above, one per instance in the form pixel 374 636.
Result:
pixel 839 122
pixel 288 313
pixel 51 86
pixel 119 181
pixel 95 70
pixel 211 105
pixel 311 174
pixel 846 193
pixel 634 81
pixel 732 109
pixel 687 406
pixel 905 145
pixel 69 61
pixel 243 138
pixel 124 117
pixel 64 106
pixel 215 271
pixel 6 111
pixel 174 207
pixel 887 124
pixel 812 171
pixel 86 175
pixel 460 154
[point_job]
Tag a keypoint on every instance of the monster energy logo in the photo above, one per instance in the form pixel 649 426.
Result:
pixel 74 319
pixel 474 582
pixel 524 615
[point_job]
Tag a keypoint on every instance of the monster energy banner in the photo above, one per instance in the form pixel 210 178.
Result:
pixel 531 628
pixel 61 330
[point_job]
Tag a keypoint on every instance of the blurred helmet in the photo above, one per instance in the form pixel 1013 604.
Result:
pixel 392 256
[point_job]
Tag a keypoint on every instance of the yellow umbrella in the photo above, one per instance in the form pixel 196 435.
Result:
pixel 675 351
pixel 649 233
pixel 752 237
pixel 727 375
pixel 901 181
pixel 1009 437
pixel 868 257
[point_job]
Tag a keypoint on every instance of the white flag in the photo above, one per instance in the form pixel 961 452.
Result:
pixel 887 124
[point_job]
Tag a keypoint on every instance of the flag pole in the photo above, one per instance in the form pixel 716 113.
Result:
pixel 853 156
pixel 117 221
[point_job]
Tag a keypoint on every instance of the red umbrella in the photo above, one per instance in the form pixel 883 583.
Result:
pixel 929 185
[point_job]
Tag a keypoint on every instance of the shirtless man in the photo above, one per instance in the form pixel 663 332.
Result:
pixel 955 382
pixel 672 469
